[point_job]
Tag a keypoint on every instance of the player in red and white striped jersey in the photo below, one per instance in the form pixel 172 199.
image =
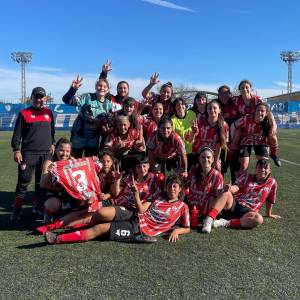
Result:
pixel 154 218
pixel 255 131
pixel 211 132
pixel 147 183
pixel 241 202
pixel 151 120
pixel 166 147
pixel 204 182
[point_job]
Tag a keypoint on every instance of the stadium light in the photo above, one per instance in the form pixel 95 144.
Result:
pixel 22 58
pixel 290 57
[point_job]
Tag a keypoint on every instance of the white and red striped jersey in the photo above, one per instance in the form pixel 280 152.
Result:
pixel 252 132
pixel 207 135
pixel 203 192
pixel 162 216
pixel 113 139
pixel 244 109
pixel 149 190
pixel 166 149
pixel 252 194
pixel 149 127
pixel 79 177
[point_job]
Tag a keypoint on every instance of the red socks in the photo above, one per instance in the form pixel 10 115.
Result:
pixel 73 237
pixel 55 225
pixel 213 213
pixel 235 223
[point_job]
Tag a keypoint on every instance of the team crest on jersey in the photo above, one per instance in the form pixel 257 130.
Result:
pixel 47 117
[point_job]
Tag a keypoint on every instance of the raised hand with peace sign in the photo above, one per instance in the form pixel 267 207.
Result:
pixel 154 78
pixel 107 66
pixel 77 83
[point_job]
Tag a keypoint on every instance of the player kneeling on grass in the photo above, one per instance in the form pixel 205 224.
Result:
pixel 153 218
pixel 240 203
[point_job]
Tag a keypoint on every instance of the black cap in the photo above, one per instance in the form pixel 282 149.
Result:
pixel 38 91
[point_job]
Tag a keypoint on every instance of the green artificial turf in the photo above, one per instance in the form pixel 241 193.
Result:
pixel 262 263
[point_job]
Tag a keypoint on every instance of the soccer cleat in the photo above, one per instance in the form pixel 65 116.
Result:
pixel 276 160
pixel 51 237
pixel 207 225
pixel 49 227
pixel 140 238
pixel 220 223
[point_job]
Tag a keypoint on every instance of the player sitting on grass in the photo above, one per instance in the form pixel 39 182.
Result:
pixel 153 218
pixel 241 202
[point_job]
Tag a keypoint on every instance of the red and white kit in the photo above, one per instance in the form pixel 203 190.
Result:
pixel 252 132
pixel 166 149
pixel 207 136
pixel 149 127
pixel 252 194
pixel 202 193
pixel 113 139
pixel 79 177
pixel 149 190
pixel 242 108
pixel 162 216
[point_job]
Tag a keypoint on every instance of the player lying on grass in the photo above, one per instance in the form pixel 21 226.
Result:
pixel 240 203
pixel 152 219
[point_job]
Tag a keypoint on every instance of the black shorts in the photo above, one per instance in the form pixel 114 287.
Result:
pixel 235 212
pixel 260 150
pixel 125 225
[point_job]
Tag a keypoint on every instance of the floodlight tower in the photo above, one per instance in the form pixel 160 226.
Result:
pixel 290 57
pixel 22 58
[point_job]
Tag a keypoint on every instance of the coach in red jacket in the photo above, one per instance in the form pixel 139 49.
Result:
pixel 32 143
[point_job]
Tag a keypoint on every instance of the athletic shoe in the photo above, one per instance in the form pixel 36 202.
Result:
pixel 51 237
pixel 276 160
pixel 220 223
pixel 141 238
pixel 207 225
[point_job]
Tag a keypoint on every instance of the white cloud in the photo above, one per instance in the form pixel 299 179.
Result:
pixel 45 69
pixel 58 83
pixel 168 4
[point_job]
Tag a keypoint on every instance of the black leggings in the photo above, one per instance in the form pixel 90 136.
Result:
pixel 88 151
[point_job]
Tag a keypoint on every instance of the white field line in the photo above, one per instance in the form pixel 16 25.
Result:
pixel 290 162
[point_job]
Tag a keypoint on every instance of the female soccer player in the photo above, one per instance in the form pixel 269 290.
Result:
pixel 56 199
pixel 147 184
pixel 153 218
pixel 204 183
pixel 255 130
pixel 241 202
pixel 230 114
pixel 125 142
pixel 122 88
pixel 151 120
pixel 86 128
pixel 82 216
pixel 246 104
pixel 199 106
pixel 166 148
pixel 210 132
pixel 165 95
pixel 183 120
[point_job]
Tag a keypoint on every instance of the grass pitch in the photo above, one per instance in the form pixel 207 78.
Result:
pixel 227 264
